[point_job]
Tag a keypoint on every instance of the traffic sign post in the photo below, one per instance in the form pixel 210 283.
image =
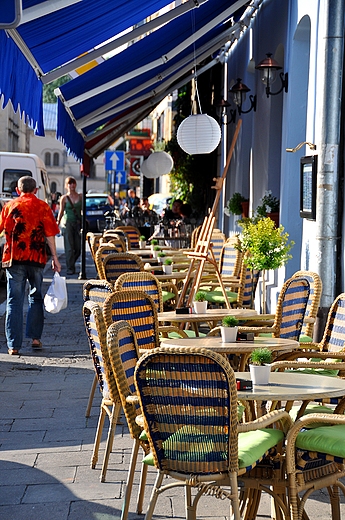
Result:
pixel 115 160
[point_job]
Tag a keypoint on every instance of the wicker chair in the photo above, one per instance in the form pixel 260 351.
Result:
pixel 111 233
pixel 118 263
pixel 133 234
pixel 291 307
pixel 96 291
pixel 312 305
pixel 139 310
pixel 111 402
pixel 103 250
pixel 93 239
pixel 123 355
pixel 188 400
pixel 117 241
pixel 315 459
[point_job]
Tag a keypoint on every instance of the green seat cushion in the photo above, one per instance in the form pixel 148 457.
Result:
pixel 311 408
pixel 143 436
pixel 251 445
pixel 190 333
pixel 305 339
pixel 218 297
pixel 324 439
pixel 166 296
pixel 265 334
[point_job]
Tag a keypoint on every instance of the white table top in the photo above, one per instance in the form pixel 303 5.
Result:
pixel 293 386
pixel 237 347
pixel 210 315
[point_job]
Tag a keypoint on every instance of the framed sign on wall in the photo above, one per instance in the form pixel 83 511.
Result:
pixel 308 169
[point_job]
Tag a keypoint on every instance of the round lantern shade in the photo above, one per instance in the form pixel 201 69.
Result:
pixel 198 133
pixel 157 164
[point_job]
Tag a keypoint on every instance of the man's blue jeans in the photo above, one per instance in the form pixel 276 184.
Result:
pixel 17 275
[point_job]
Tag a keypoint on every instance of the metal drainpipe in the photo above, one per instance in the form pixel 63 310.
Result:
pixel 328 168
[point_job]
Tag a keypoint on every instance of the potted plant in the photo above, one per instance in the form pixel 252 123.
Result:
pixel 269 207
pixel 154 242
pixel 235 205
pixel 167 266
pixel 229 329
pixel 156 250
pixel 200 302
pixel 160 256
pixel 259 366
pixel 142 242
pixel 267 246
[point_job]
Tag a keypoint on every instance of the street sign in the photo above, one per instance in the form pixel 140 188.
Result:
pixel 115 160
pixel 121 177
pixel 10 13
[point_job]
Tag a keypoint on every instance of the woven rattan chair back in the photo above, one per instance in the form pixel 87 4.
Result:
pixel 334 335
pixel 230 259
pixel 117 241
pixel 119 263
pixel 97 291
pixel 142 281
pixel 93 239
pixel 139 310
pixel 111 402
pixel 313 301
pixel 189 395
pixel 103 250
pixel 133 234
pixel 124 355
pixel 111 233
pixel 291 308
pixel 217 240
pixel 194 237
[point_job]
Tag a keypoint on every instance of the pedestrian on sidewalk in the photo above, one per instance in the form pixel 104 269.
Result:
pixel 29 224
pixel 69 220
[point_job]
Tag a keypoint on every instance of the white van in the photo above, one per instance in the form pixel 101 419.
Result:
pixel 14 165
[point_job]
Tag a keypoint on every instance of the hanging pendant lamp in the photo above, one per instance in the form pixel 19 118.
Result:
pixel 157 164
pixel 198 134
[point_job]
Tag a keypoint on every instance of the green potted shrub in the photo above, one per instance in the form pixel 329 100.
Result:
pixel 167 266
pixel 234 204
pixel 161 255
pixel 156 250
pixel 200 302
pixel 154 242
pixel 267 246
pixel 259 366
pixel 142 242
pixel 269 207
pixel 229 329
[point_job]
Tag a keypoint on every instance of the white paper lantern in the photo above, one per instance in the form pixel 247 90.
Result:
pixel 198 133
pixel 157 164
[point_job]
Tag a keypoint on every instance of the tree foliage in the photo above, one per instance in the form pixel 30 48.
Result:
pixel 48 90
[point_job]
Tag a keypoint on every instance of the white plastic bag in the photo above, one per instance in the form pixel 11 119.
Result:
pixel 56 298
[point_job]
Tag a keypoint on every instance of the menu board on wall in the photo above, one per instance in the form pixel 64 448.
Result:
pixel 308 169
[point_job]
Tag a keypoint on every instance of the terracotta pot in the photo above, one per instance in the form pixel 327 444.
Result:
pixel 245 209
pixel 274 217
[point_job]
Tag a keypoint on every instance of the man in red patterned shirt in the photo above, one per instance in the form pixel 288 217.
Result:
pixel 28 223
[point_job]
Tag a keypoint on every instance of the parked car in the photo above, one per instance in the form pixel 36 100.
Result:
pixel 96 205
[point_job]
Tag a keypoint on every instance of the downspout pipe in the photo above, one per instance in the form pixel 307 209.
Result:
pixel 329 161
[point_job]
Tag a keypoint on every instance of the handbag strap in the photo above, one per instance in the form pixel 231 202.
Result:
pixel 73 208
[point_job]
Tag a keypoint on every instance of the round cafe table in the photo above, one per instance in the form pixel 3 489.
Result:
pixel 212 316
pixel 240 349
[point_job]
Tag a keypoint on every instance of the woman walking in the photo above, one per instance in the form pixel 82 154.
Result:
pixel 69 220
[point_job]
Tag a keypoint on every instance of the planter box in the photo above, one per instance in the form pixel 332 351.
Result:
pixel 260 374
pixel 229 334
pixel 200 307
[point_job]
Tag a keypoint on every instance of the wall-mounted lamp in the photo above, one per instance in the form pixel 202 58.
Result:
pixel 239 92
pixel 268 69
pixel 299 146
pixel 222 110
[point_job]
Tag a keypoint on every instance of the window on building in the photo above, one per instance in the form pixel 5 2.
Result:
pixel 56 159
pixel 47 159
pixel 53 187
pixel 13 133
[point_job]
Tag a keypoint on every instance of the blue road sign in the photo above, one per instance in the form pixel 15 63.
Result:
pixel 11 13
pixel 121 177
pixel 115 160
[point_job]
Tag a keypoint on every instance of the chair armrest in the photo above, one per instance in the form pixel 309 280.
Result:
pixel 267 420
pixel 307 364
